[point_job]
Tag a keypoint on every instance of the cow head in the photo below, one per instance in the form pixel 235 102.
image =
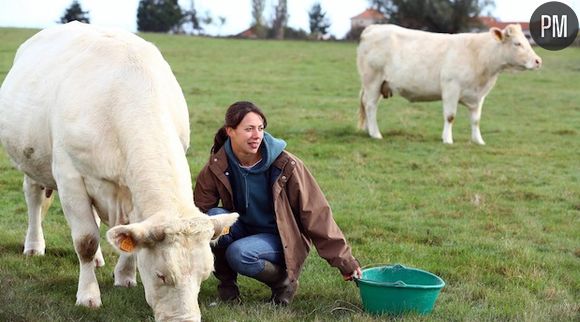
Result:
pixel 173 258
pixel 515 48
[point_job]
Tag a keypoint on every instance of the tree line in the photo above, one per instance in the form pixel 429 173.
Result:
pixel 449 16
pixel 169 16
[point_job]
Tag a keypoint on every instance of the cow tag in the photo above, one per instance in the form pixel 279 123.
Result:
pixel 127 244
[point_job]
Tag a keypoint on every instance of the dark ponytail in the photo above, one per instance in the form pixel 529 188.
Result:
pixel 219 139
pixel 234 116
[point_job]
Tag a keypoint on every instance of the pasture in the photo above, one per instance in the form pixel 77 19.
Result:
pixel 499 223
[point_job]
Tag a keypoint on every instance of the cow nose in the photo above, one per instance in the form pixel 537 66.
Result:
pixel 539 62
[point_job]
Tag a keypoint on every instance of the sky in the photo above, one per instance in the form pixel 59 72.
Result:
pixel 237 13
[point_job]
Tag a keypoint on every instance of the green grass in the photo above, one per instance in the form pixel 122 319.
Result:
pixel 499 223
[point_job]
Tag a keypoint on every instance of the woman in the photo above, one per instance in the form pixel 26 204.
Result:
pixel 282 209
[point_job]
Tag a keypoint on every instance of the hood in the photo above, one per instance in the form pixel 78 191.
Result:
pixel 271 149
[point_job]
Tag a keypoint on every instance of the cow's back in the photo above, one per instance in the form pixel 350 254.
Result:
pixel 410 61
pixel 80 90
pixel 390 43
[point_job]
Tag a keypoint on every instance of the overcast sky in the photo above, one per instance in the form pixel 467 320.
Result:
pixel 122 13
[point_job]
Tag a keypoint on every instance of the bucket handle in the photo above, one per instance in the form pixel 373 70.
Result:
pixel 394 284
pixel 395 267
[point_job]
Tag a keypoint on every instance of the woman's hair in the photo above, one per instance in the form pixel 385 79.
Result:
pixel 234 115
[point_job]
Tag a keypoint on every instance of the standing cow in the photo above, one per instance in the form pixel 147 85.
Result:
pixel 424 66
pixel 98 115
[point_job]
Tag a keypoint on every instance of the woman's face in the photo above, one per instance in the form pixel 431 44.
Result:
pixel 247 136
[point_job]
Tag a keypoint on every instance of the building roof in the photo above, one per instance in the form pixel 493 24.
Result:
pixel 490 22
pixel 248 33
pixel 370 14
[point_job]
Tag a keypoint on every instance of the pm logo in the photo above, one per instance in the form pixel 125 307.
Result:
pixel 554 25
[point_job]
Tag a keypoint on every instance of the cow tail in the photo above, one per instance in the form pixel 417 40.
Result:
pixel 362 114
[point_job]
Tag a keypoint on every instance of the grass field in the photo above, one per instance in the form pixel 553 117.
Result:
pixel 499 223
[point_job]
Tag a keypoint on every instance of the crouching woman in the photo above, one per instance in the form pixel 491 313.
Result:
pixel 282 209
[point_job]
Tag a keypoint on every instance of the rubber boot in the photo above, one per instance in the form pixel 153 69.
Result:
pixel 283 290
pixel 227 288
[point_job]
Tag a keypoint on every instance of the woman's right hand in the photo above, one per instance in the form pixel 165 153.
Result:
pixel 356 274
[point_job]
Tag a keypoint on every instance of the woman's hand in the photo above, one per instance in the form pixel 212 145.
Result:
pixel 356 274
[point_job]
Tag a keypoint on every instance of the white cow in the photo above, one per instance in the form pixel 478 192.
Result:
pixel 98 115
pixel 424 66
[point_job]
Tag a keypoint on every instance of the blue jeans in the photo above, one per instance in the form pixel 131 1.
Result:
pixel 246 252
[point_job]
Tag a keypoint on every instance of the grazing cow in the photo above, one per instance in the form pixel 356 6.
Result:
pixel 98 115
pixel 423 66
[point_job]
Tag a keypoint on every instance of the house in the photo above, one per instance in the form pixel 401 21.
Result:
pixel 248 34
pixel 366 18
pixel 490 22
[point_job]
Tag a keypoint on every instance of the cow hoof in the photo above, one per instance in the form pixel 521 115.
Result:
pixel 33 252
pixel 479 142
pixel 126 282
pixel 377 136
pixel 90 302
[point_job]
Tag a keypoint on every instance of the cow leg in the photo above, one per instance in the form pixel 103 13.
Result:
pixel 450 97
pixel 125 271
pixel 369 100
pixel 475 118
pixel 99 259
pixel 77 208
pixel 362 114
pixel 38 204
pixel 85 234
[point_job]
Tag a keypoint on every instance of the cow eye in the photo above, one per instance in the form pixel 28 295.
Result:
pixel 517 44
pixel 161 277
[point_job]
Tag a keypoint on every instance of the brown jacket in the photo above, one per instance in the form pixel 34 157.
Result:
pixel 302 213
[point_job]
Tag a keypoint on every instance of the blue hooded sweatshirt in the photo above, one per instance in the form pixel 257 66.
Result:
pixel 252 188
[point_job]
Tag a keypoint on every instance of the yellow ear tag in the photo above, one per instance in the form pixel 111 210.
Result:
pixel 226 230
pixel 127 244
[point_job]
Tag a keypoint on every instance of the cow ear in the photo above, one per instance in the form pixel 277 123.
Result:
pixel 512 29
pixel 497 34
pixel 221 223
pixel 126 238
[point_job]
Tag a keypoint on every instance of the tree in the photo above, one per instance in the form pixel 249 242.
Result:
pixel 207 19
pixel 75 12
pixel 190 16
pixel 382 6
pixel 258 12
pixel 258 25
pixel 221 23
pixel 449 16
pixel 291 33
pixel 159 15
pixel 280 19
pixel 318 22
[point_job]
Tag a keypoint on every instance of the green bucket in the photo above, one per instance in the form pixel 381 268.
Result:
pixel 397 289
